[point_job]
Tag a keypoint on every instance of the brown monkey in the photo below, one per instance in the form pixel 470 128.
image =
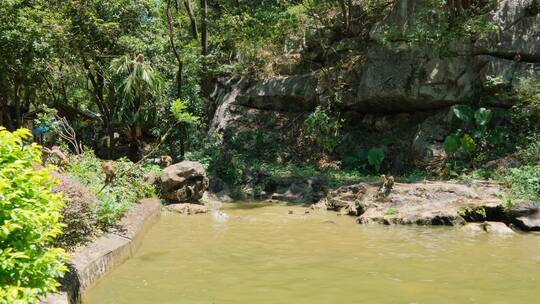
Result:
pixel 140 58
pixel 62 158
pixel 166 160
pixel 387 183
pixel 108 168
pixel 55 151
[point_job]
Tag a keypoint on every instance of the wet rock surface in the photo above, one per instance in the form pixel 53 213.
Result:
pixel 344 199
pixel 426 203
pixel 187 208
pixel 488 227
pixel 525 216
pixel 184 182
pixel 529 223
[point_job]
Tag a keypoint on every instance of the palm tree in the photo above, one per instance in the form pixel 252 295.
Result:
pixel 139 85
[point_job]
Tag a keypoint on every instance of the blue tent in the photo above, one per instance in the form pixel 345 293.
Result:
pixel 40 130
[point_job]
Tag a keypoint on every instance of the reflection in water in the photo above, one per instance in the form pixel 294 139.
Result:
pixel 266 255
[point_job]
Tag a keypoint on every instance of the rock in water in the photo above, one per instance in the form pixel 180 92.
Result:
pixel 489 227
pixel 187 208
pixel 525 215
pixel 529 223
pixel 184 182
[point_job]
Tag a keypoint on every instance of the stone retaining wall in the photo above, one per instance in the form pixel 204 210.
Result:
pixel 89 263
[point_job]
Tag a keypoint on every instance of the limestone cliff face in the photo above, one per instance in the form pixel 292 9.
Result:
pixel 395 78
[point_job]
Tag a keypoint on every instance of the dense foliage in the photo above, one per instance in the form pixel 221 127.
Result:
pixel 135 78
pixel 30 215
pixel 116 198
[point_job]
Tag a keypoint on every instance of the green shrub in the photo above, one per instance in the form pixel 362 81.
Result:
pixel 451 144
pixel 29 222
pixel 472 131
pixel 473 214
pixel 356 159
pixel 524 182
pixel 322 127
pixel 526 110
pixel 79 214
pixel 118 197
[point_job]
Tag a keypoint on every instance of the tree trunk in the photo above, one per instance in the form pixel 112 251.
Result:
pixel 17 105
pixel 194 32
pixel 179 73
pixel 98 85
pixel 179 79
pixel 183 138
pixel 3 103
pixel 345 15
pixel 204 27
pixel 349 15
pixel 134 153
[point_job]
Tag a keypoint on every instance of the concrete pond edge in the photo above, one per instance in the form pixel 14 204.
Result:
pixel 91 262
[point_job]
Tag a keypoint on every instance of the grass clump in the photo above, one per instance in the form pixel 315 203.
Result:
pixel 391 212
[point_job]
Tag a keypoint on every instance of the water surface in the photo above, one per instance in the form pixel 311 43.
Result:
pixel 261 254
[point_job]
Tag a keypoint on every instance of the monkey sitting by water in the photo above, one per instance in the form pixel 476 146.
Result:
pixel 387 183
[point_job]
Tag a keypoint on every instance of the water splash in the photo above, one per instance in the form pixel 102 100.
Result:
pixel 217 215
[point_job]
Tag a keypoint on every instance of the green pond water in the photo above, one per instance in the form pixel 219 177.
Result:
pixel 262 254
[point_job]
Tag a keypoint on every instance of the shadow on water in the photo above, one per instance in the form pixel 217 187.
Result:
pixel 152 256
pixel 248 205
pixel 242 205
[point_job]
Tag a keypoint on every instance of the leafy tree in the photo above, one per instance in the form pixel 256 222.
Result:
pixel 31 34
pixel 29 221
pixel 139 86
pixel 437 24
pixel 179 109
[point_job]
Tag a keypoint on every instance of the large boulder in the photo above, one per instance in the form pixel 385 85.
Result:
pixel 405 79
pixel 184 182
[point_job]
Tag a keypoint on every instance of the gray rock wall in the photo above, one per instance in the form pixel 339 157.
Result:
pixel 388 80
pixel 400 78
